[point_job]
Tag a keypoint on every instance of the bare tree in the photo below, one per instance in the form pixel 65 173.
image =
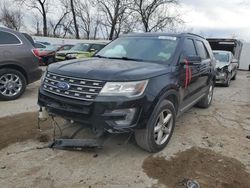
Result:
pixel 11 18
pixel 42 6
pixel 113 11
pixel 36 21
pixel 83 12
pixel 154 13
pixel 73 10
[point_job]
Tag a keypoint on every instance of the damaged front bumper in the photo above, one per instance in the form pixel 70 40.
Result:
pixel 100 114
pixel 221 77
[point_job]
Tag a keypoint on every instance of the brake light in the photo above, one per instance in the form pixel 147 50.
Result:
pixel 35 52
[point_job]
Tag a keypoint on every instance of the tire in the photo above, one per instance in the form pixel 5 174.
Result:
pixel 227 84
pixel 206 101
pixel 16 84
pixel 235 75
pixel 147 138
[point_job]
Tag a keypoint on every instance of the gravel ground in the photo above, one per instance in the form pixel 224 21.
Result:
pixel 221 129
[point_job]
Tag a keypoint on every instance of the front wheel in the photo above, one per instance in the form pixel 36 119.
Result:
pixel 229 77
pixel 159 128
pixel 12 84
pixel 206 101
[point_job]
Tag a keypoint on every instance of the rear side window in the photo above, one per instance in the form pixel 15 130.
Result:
pixel 189 48
pixel 8 38
pixel 202 51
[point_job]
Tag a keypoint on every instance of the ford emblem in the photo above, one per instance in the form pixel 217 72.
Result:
pixel 63 86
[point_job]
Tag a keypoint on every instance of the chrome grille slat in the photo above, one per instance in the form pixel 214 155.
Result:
pixel 81 89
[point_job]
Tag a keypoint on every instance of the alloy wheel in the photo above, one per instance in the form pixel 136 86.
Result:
pixel 10 85
pixel 163 127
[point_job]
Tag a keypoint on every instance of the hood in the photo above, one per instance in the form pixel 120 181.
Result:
pixel 108 69
pixel 221 64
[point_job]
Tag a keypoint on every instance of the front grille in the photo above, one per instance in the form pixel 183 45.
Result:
pixel 81 89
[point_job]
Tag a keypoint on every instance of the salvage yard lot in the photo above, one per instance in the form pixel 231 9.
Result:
pixel 219 154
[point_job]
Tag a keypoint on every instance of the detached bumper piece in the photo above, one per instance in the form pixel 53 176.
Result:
pixel 75 144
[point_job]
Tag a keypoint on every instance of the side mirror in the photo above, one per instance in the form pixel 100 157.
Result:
pixel 192 60
pixel 234 61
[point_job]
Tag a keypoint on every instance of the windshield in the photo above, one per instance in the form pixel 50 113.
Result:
pixel 152 49
pixel 221 57
pixel 81 47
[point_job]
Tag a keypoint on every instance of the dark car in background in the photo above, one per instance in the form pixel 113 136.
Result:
pixel 80 50
pixel 39 45
pixel 18 63
pixel 138 83
pixel 226 67
pixel 47 54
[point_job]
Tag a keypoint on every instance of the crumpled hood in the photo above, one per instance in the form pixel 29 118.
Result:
pixel 221 64
pixel 108 69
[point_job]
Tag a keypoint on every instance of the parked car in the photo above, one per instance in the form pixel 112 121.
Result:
pixel 45 43
pixel 47 55
pixel 227 44
pixel 18 64
pixel 226 67
pixel 138 82
pixel 80 50
pixel 39 45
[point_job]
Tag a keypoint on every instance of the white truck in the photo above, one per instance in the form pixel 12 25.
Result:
pixel 245 57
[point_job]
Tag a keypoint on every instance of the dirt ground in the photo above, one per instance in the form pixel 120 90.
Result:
pixel 209 146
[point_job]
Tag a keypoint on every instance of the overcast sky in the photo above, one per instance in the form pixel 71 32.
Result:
pixel 218 18
pixel 210 18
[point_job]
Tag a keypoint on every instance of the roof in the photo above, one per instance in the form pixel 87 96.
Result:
pixel 156 34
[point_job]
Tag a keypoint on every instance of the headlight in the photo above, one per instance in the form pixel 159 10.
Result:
pixel 127 89
pixel 71 55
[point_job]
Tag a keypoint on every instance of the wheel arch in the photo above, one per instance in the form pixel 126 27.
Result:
pixel 16 67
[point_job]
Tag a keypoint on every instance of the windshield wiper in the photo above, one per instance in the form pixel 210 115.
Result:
pixel 100 56
pixel 126 58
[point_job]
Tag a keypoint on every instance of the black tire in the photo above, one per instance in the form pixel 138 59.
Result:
pixel 206 101
pixel 23 82
pixel 235 75
pixel 145 138
pixel 227 84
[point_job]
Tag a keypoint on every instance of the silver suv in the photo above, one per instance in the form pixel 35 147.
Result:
pixel 18 63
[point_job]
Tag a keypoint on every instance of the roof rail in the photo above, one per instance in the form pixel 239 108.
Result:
pixel 196 35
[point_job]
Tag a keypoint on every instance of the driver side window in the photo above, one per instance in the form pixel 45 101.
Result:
pixel 188 49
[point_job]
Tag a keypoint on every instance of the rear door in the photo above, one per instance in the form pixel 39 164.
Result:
pixel 190 74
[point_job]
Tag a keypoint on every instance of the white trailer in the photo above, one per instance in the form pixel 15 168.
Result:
pixel 245 57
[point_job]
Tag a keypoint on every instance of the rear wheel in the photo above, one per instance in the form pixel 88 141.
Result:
pixel 159 128
pixel 206 101
pixel 12 84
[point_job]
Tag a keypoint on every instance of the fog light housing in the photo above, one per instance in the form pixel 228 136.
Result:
pixel 128 113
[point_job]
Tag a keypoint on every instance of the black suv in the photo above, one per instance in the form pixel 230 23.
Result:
pixel 18 63
pixel 138 82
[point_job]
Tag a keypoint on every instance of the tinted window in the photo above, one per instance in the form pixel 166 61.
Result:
pixel 97 47
pixel 8 38
pixel 66 47
pixel 37 45
pixel 202 50
pixel 189 48
pixel 81 47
